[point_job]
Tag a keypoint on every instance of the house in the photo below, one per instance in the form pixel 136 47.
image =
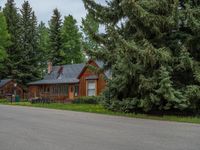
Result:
pixel 9 87
pixel 68 82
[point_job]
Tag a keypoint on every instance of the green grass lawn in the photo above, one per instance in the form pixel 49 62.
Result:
pixel 91 108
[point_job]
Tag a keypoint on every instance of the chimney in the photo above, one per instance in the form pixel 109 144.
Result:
pixel 49 67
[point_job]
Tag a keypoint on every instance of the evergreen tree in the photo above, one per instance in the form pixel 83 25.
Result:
pixel 43 46
pixel 71 42
pixel 4 41
pixel 55 25
pixel 142 39
pixel 12 19
pixel 88 42
pixel 27 62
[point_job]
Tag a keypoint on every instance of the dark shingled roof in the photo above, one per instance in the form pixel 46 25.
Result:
pixel 4 82
pixel 68 74
pixel 69 71
pixel 58 81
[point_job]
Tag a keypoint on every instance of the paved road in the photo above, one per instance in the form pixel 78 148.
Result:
pixel 23 128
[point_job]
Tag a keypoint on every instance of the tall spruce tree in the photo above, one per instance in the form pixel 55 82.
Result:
pixel 71 42
pixel 88 42
pixel 27 62
pixel 152 50
pixel 4 42
pixel 55 25
pixel 43 46
pixel 12 19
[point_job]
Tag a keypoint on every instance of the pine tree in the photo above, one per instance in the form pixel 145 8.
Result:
pixel 88 42
pixel 27 62
pixel 12 19
pixel 43 46
pixel 141 38
pixel 71 42
pixel 4 41
pixel 55 25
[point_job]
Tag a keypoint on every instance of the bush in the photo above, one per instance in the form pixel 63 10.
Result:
pixel 128 105
pixel 87 100
pixel 193 95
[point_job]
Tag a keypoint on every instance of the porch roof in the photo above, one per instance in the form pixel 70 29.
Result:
pixel 57 81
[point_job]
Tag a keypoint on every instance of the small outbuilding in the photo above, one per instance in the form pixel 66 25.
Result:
pixel 9 87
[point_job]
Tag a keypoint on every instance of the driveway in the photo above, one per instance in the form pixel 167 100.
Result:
pixel 24 128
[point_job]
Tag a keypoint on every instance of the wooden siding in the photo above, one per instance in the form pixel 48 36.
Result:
pixel 9 89
pixel 35 91
pixel 100 82
pixel 51 92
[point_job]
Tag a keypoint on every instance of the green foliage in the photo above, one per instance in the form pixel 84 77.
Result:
pixel 44 48
pixel 28 46
pixel 12 19
pixel 4 38
pixel 151 47
pixel 170 98
pixel 193 95
pixel 88 43
pixel 2 101
pixel 22 61
pixel 55 24
pixel 87 100
pixel 71 42
pixel 127 105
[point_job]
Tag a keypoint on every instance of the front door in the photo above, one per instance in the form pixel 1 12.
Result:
pixel 71 91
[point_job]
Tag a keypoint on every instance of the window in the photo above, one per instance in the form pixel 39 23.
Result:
pixel 76 92
pixel 91 91
pixel 65 90
pixel 48 90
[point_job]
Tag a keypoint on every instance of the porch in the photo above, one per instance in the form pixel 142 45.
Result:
pixel 55 92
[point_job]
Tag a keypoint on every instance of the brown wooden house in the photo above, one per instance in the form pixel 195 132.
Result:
pixel 9 87
pixel 69 81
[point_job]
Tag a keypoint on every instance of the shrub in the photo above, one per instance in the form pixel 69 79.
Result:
pixel 87 100
pixel 126 105
pixel 193 95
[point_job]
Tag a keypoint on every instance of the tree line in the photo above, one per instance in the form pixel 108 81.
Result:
pixel 26 45
pixel 153 51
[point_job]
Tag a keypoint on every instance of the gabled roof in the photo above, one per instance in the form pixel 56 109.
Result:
pixel 100 64
pixel 69 71
pixel 66 74
pixel 4 82
pixel 62 74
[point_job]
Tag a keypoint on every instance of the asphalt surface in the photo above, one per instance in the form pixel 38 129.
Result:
pixel 24 128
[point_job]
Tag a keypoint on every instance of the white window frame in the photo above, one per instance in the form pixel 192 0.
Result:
pixel 95 87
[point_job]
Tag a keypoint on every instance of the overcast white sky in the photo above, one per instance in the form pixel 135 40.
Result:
pixel 44 8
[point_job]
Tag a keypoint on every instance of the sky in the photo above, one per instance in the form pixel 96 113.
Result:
pixel 44 8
